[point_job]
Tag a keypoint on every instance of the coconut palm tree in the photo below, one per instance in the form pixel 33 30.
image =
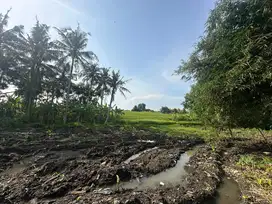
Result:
pixel 117 83
pixel 72 45
pixel 90 76
pixel 8 45
pixel 36 51
pixel 103 83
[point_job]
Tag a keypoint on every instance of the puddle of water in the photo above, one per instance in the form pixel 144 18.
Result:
pixel 170 176
pixel 135 156
pixel 146 141
pixel 228 192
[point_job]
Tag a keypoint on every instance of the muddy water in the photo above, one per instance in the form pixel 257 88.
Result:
pixel 227 193
pixel 171 176
pixel 135 156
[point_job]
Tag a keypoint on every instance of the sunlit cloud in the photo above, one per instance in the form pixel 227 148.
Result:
pixel 147 97
pixel 67 6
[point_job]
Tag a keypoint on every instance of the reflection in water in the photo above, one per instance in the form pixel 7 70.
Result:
pixel 170 176
pixel 227 193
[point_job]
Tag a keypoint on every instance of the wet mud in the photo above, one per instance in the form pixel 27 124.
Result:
pixel 108 167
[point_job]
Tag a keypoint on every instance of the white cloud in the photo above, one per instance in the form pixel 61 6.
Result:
pixel 147 97
pixel 67 6
pixel 146 92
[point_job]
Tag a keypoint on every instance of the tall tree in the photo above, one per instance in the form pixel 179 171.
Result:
pixel 232 65
pixel 117 83
pixel 90 77
pixel 36 56
pixel 9 40
pixel 72 44
pixel 103 84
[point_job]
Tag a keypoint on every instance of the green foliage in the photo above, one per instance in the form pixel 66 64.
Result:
pixel 140 107
pixel 55 80
pixel 183 117
pixel 258 170
pixel 165 109
pixel 117 83
pixel 11 112
pixel 232 66
pixel 246 160
pixel 263 162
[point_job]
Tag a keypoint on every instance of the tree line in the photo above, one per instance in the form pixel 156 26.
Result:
pixel 55 80
pixel 164 109
pixel 232 66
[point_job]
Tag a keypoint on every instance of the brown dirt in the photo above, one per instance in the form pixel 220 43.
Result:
pixel 232 149
pixel 79 167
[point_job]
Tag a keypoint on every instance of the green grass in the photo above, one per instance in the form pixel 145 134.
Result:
pixel 160 122
pixel 257 170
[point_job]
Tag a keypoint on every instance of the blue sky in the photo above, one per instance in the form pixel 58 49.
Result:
pixel 145 39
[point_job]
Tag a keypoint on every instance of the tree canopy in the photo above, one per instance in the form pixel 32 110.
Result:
pixel 231 66
pixel 140 107
pixel 54 79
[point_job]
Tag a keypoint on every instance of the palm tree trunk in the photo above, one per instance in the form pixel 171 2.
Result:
pixel 90 97
pixel 109 109
pixel 68 91
pixel 30 89
pixel 29 108
pixel 90 91
pixel 102 98
pixel 52 106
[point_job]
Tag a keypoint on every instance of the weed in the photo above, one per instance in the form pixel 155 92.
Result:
pixel 117 181
pixel 213 147
pixel 246 160
pixel 49 133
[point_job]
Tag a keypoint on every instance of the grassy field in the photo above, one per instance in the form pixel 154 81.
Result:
pixel 185 126
pixel 159 122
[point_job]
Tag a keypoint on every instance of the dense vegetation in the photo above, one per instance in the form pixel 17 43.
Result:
pixel 55 80
pixel 231 66
pixel 140 107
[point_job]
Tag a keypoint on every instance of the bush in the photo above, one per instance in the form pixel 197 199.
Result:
pixel 12 113
pixel 140 107
pixel 165 109
pixel 183 117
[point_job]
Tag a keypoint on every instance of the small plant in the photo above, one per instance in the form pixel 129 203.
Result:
pixel 269 182
pixel 49 133
pixel 246 160
pixel 260 181
pixel 245 197
pixel 62 177
pixel 213 147
pixel 117 181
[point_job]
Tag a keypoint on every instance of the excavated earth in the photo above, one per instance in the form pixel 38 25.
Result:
pixel 91 167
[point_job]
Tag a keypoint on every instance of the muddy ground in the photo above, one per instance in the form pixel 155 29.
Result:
pixel 84 167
